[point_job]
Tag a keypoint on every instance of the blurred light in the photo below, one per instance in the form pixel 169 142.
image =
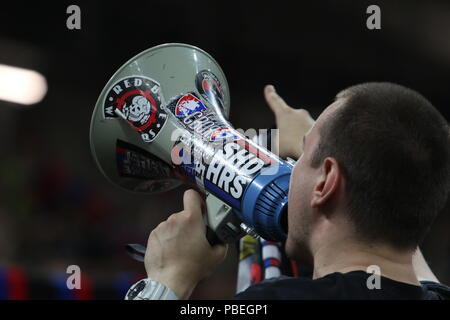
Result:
pixel 21 85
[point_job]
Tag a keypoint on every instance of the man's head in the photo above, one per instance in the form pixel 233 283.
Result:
pixel 376 166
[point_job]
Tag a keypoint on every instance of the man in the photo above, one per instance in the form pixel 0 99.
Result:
pixel 374 173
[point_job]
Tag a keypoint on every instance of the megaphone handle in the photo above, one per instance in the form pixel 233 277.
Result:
pixel 223 225
pixel 212 237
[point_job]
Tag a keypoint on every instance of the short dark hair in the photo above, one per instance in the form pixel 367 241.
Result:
pixel 394 149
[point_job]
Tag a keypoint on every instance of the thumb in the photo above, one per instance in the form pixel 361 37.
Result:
pixel 275 102
pixel 193 202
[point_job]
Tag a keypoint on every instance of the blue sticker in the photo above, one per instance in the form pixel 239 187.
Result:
pixel 187 105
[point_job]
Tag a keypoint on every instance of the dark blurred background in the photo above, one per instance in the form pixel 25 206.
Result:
pixel 56 209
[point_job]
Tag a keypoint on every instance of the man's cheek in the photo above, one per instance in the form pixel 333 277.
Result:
pixel 294 175
pixel 294 203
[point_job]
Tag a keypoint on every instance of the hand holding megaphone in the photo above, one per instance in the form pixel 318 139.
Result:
pixel 162 121
pixel 177 253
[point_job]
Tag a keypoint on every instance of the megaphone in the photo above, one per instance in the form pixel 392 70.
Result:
pixel 161 121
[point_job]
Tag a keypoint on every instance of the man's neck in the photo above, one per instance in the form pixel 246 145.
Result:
pixel 346 255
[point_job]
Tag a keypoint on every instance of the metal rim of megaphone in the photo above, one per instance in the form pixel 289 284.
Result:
pixel 115 77
pixel 172 44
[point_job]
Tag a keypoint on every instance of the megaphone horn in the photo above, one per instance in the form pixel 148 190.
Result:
pixel 161 121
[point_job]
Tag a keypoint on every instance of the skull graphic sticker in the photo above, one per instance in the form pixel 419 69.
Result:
pixel 139 110
pixel 137 100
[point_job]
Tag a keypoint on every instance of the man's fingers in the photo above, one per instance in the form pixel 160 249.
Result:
pixel 275 102
pixel 193 202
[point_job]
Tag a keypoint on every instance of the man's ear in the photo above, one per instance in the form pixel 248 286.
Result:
pixel 327 183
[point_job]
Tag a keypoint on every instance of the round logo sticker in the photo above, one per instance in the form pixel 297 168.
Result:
pixel 209 86
pixel 137 100
pixel 187 105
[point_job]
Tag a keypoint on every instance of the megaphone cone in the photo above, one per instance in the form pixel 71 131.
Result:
pixel 161 121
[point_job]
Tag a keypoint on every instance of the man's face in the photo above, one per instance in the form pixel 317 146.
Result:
pixel 301 216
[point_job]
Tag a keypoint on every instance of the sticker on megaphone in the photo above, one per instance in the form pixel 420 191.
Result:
pixel 137 100
pixel 224 169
